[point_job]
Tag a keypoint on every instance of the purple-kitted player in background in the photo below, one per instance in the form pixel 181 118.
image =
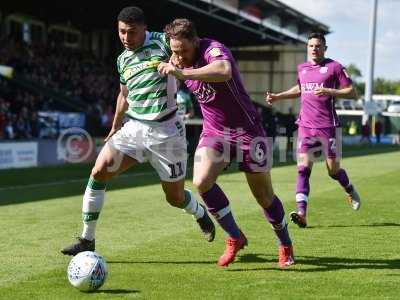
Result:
pixel 231 129
pixel 320 82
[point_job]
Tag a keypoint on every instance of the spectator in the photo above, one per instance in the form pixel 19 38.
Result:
pixel 21 129
pixel 353 128
pixel 9 130
pixel 290 129
pixel 396 139
pixel 378 130
pixel 2 124
pixel 366 133
pixel 273 121
pixel 34 125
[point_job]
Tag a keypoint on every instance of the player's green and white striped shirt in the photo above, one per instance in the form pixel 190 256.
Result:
pixel 151 96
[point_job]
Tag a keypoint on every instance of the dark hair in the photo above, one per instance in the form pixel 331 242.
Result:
pixel 131 15
pixel 317 35
pixel 181 28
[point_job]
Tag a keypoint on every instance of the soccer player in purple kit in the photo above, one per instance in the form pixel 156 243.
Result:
pixel 320 81
pixel 231 128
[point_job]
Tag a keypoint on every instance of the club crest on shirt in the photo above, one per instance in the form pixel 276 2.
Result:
pixel 304 71
pixel 214 52
pixel 323 70
pixel 147 53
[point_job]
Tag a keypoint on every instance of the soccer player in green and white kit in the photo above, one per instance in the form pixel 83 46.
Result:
pixel 154 133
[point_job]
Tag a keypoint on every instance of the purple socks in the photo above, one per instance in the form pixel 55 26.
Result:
pixel 302 189
pixel 303 180
pixel 275 215
pixel 343 179
pixel 218 205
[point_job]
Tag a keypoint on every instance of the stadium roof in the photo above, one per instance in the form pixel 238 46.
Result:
pixel 234 22
pixel 267 21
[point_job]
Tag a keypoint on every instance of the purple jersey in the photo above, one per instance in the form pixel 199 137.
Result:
pixel 319 111
pixel 224 105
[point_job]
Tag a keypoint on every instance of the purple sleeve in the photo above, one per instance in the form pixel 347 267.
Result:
pixel 216 52
pixel 343 78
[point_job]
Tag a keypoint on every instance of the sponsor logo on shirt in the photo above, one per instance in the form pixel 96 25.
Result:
pixel 128 73
pixel 310 87
pixel 204 93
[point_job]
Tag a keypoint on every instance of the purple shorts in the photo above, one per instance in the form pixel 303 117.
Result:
pixel 316 140
pixel 250 150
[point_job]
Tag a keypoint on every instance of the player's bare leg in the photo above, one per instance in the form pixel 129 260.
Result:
pixel 208 164
pixel 261 186
pixel 109 163
pixel 340 175
pixel 179 197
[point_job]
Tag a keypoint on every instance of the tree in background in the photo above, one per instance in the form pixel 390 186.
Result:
pixel 398 90
pixel 381 85
pixel 354 72
pixel 355 75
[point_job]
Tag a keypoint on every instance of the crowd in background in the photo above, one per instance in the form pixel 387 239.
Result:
pixel 18 112
pixel 67 73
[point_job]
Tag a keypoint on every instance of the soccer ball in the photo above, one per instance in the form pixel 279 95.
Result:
pixel 87 271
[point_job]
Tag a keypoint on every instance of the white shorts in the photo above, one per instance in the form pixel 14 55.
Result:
pixel 163 144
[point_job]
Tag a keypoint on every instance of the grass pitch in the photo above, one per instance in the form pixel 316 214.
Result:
pixel 156 252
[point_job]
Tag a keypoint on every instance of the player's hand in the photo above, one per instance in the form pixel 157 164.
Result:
pixel 270 97
pixel 111 133
pixel 170 69
pixel 323 92
pixel 175 61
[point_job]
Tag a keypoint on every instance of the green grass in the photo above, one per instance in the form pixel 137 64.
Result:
pixel 156 252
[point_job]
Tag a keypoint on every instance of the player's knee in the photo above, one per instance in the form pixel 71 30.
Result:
pixel 202 184
pixel 100 174
pixel 175 199
pixel 304 171
pixel 332 173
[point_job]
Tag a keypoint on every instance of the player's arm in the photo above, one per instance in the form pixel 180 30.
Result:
pixel 348 92
pixel 121 107
pixel 345 86
pixel 291 93
pixel 216 71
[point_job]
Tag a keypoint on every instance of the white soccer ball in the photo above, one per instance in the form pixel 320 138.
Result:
pixel 87 271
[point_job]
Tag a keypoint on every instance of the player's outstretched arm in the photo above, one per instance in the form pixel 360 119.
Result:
pixel 121 107
pixel 291 93
pixel 217 71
